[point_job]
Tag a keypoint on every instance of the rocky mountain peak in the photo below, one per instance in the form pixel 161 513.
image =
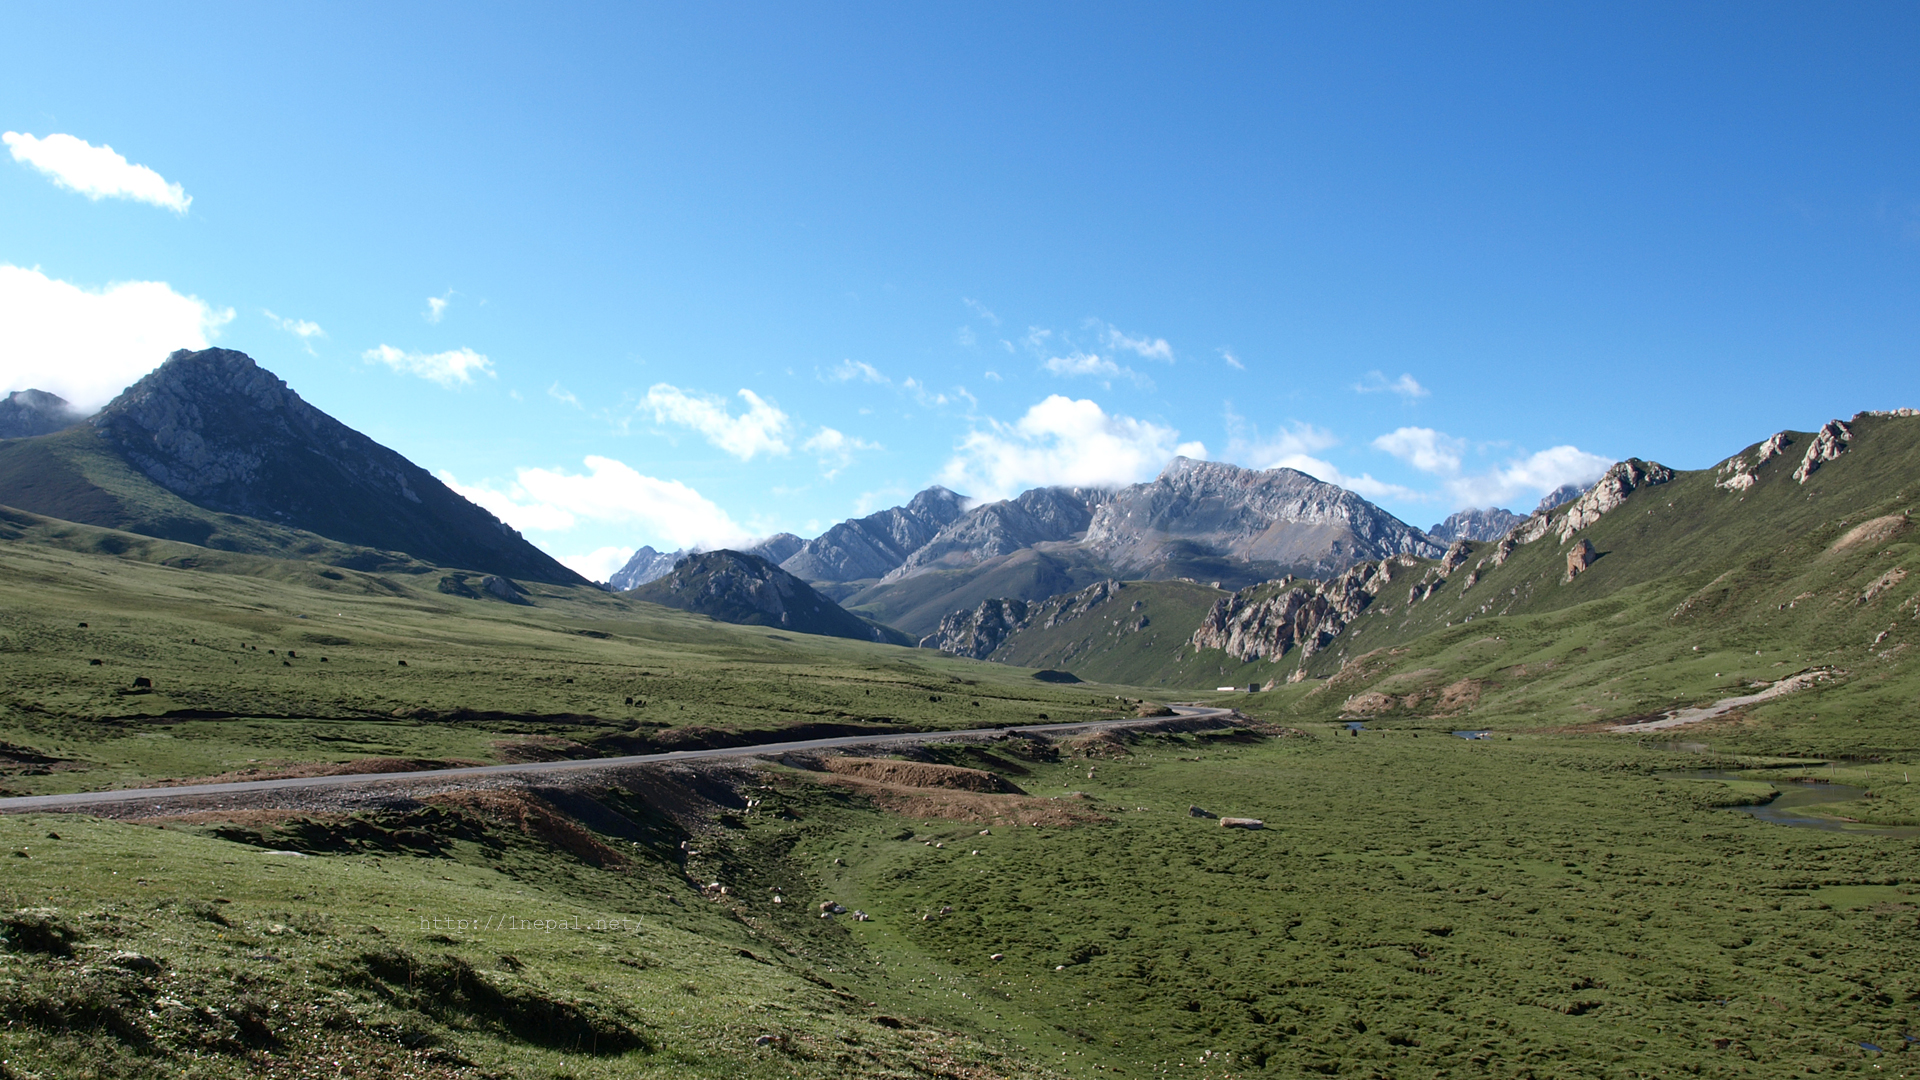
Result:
pixel 736 587
pixel 26 413
pixel 1477 524
pixel 1278 516
pixel 225 434
pixel 875 545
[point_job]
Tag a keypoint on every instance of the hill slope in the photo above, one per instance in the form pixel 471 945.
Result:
pixel 738 588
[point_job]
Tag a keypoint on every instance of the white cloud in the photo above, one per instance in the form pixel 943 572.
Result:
pixel 980 310
pixel 300 328
pixel 835 450
pixel 1424 448
pixel 992 376
pixel 1099 367
pixel 1232 360
pixel 856 370
pixel 1528 478
pixel 933 399
pixel 1294 447
pixel 1363 484
pixel 87 345
pixel 1406 386
pixel 445 368
pixel 554 500
pixel 600 564
pixel 1246 446
pixel 1062 441
pixel 564 396
pixel 437 307
pixel 760 430
pixel 963 337
pixel 1149 347
pixel 95 171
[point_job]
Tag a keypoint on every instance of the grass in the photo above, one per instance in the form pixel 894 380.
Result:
pixel 256 663
pixel 1416 906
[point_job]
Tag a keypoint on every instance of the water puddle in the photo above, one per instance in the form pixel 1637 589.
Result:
pixel 1788 807
pixel 1473 734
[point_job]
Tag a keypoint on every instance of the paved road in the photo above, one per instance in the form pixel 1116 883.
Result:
pixel 81 800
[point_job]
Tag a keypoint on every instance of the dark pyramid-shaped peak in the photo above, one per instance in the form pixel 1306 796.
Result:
pixel 225 434
pixel 735 587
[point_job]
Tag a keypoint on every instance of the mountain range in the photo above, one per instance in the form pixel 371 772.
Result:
pixel 911 566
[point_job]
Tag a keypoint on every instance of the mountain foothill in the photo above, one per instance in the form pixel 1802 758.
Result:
pixel 1207 571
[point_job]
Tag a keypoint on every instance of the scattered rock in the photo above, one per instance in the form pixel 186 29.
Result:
pixel 1194 811
pixel 1579 559
pixel 1242 823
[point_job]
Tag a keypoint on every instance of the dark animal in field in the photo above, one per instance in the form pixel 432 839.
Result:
pixel 141 682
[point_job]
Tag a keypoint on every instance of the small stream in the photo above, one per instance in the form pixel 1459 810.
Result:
pixel 1794 796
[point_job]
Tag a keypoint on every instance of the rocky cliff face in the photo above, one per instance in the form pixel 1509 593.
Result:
pixel 875 545
pixel 1266 621
pixel 26 413
pixel 1476 524
pixel 1038 516
pixel 1277 516
pixel 734 587
pixel 226 435
pixel 646 565
pixel 978 633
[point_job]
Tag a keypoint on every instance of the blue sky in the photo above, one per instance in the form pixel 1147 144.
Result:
pixel 684 274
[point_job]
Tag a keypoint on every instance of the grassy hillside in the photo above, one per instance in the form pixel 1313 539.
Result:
pixel 258 662
pixel 1137 637
pixel 1698 594
pixel 74 476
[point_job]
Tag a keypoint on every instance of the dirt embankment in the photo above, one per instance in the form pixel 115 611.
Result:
pixel 949 792
pixel 918 774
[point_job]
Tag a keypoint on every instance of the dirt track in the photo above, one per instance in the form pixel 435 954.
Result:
pixel 323 794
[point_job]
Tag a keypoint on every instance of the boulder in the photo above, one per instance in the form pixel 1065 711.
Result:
pixel 1242 823
pixel 1581 557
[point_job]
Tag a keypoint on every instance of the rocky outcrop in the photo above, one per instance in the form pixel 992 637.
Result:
pixel 1828 443
pixel 875 545
pixel 1620 480
pixel 26 413
pixel 1476 524
pixel 735 587
pixel 226 435
pixel 1037 516
pixel 1578 559
pixel 978 633
pixel 981 632
pixel 1268 620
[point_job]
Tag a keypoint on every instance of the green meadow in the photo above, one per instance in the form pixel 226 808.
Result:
pixel 1417 905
